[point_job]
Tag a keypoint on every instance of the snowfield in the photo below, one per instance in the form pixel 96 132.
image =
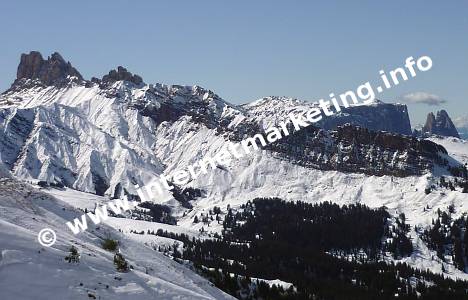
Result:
pixel 30 271
pixel 457 148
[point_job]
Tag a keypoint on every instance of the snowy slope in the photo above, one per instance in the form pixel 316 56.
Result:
pixel 29 271
pixel 462 126
pixel 93 139
pixel 457 148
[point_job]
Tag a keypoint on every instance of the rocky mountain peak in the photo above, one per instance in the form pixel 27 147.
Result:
pixel 440 124
pixel 54 70
pixel 121 74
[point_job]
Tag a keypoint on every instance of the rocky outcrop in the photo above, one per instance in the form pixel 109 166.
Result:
pixel 201 105
pixel 377 116
pixel 440 125
pixel 52 71
pixel 121 74
pixel 56 71
pixel 380 116
pixel 359 150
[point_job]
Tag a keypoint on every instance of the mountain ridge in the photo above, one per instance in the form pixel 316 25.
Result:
pixel 131 129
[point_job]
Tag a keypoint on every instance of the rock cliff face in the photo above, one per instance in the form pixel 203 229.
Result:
pixel 52 71
pixel 359 150
pixel 121 74
pixel 440 125
pixel 378 117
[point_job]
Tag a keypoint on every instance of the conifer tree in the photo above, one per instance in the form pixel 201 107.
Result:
pixel 74 256
pixel 120 263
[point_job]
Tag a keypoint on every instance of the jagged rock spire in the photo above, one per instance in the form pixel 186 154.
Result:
pixel 440 124
pixel 121 74
pixel 52 71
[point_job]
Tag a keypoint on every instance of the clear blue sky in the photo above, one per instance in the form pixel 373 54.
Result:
pixel 244 50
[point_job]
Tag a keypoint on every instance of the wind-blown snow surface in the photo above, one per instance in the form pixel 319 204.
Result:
pixel 29 271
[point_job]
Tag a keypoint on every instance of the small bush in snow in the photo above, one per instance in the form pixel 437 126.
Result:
pixel 110 244
pixel 74 256
pixel 120 263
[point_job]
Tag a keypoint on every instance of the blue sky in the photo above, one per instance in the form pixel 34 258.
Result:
pixel 244 50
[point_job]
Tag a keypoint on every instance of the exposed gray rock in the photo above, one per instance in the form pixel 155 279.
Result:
pixel 440 125
pixel 380 116
pixel 121 74
pixel 52 71
pixel 355 149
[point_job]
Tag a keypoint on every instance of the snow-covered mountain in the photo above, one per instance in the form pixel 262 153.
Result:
pixel 99 135
pixel 103 135
pixel 98 138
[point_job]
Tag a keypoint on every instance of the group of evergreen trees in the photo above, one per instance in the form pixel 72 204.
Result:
pixel 449 237
pixel 324 227
pixel 452 185
pixel 120 262
pixel 153 213
pixel 462 172
pixel 398 243
pixel 324 250
pixel 213 214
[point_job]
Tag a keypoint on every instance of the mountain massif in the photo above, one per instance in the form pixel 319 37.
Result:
pixel 98 135
pixel 83 142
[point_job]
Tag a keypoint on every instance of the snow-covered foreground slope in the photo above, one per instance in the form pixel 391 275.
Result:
pixel 30 271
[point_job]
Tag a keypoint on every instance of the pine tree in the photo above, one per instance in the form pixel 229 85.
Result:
pixel 120 263
pixel 110 244
pixel 74 256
